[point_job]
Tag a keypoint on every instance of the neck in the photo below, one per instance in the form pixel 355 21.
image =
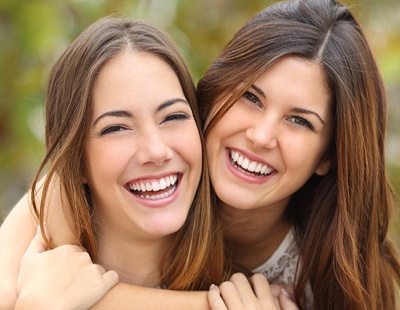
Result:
pixel 254 234
pixel 136 261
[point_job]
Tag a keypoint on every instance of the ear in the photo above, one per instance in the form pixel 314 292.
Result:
pixel 324 167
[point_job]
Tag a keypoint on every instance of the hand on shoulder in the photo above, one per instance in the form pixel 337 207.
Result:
pixel 240 293
pixel 62 278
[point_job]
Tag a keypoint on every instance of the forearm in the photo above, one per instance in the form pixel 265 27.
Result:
pixel 16 232
pixel 124 296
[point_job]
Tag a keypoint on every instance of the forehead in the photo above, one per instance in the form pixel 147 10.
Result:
pixel 135 78
pixel 296 81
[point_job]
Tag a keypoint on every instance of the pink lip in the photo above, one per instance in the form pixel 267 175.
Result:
pixel 161 202
pixel 244 176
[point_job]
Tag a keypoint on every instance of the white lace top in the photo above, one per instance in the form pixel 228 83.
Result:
pixel 280 268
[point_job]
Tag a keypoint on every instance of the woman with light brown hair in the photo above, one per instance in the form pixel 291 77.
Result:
pixel 134 175
pixel 294 112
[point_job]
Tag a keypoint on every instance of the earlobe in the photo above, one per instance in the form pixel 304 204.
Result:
pixel 324 167
pixel 83 179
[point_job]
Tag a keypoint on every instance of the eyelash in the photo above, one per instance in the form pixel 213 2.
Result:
pixel 252 98
pixel 301 121
pixel 175 117
pixel 111 129
pixel 297 120
pixel 169 118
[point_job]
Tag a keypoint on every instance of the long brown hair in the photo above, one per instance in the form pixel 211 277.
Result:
pixel 341 219
pixel 195 258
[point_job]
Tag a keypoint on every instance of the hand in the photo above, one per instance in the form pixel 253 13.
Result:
pixel 62 278
pixel 254 293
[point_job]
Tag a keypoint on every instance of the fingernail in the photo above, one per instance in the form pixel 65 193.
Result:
pixel 285 292
pixel 38 229
pixel 212 286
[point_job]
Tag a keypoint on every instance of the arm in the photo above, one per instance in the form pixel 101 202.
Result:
pixel 83 284
pixel 125 296
pixel 40 285
pixel 17 232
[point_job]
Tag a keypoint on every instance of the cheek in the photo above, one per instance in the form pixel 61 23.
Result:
pixel 302 153
pixel 191 147
pixel 102 160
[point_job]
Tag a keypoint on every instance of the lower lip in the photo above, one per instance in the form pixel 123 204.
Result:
pixel 245 176
pixel 161 202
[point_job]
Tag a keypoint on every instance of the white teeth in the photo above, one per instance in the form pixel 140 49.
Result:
pixel 263 169
pixel 252 166
pixel 154 186
pixel 249 165
pixel 163 184
pixel 159 196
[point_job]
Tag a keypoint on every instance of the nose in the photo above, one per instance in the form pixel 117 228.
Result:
pixel 263 132
pixel 153 149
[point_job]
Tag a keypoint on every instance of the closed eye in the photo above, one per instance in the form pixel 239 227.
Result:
pixel 112 129
pixel 175 117
pixel 301 122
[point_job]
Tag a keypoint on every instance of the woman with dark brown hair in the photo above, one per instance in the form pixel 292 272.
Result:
pixel 299 80
pixel 294 112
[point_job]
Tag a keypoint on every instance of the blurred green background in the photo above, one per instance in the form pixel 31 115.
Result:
pixel 33 33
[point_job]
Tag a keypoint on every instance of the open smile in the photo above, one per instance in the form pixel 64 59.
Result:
pixel 155 188
pixel 249 166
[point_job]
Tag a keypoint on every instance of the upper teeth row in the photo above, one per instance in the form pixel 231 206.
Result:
pixel 160 184
pixel 251 166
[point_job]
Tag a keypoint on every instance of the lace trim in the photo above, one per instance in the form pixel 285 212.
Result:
pixel 280 268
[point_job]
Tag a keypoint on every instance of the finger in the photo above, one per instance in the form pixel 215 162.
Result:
pixel 243 288
pixel 261 286
pixel 276 289
pixel 214 298
pixel 230 295
pixel 285 302
pixel 37 245
pixel 263 291
pixel 111 278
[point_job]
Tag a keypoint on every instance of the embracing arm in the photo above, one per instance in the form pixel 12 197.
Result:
pixel 16 233
pixel 125 296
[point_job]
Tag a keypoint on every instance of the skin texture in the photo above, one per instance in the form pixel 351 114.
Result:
pixel 271 129
pixel 240 293
pixel 139 136
pixel 92 280
pixel 274 123
pixel 340 217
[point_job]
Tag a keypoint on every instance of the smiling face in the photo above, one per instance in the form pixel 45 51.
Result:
pixel 142 158
pixel 273 138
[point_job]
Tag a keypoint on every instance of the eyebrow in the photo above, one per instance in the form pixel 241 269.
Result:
pixel 124 113
pixel 259 90
pixel 297 110
pixel 305 111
